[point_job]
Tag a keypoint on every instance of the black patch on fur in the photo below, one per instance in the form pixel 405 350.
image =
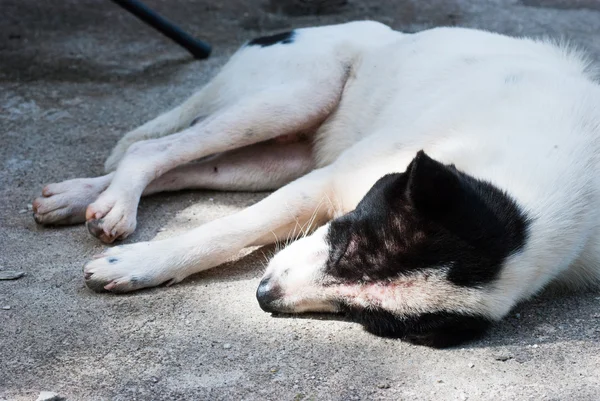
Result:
pixel 437 330
pixel 431 216
pixel 283 38
pixel 197 120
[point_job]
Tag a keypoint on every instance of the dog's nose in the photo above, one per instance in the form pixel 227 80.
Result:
pixel 267 293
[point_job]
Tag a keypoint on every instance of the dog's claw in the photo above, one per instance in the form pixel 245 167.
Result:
pixel 37 218
pixel 110 286
pixel 95 228
pixel 94 285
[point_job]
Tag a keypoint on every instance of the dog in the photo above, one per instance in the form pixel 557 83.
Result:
pixel 437 178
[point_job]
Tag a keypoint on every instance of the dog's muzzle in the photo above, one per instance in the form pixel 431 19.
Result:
pixel 268 294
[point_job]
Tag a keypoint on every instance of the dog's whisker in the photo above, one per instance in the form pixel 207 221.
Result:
pixel 312 220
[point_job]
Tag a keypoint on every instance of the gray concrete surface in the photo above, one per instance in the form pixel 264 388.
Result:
pixel 74 76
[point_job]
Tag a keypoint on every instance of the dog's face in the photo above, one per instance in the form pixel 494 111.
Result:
pixel 416 259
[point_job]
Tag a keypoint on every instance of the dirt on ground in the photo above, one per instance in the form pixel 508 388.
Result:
pixel 74 77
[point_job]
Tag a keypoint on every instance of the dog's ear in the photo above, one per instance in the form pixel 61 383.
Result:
pixel 433 188
pixel 475 210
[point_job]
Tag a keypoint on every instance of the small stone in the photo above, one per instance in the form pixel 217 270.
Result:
pixel 546 328
pixel 440 381
pixel 534 345
pixel 23 211
pixel 383 385
pixel 462 396
pixel 471 365
pixel 49 396
pixel 29 206
pixel 6 307
pixel 226 346
pixel 11 275
pixel 522 357
pixel 352 388
pixel 155 379
pixel 518 315
pixel 503 357
pixel 71 102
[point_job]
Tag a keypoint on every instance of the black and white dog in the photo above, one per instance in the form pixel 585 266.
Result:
pixel 449 174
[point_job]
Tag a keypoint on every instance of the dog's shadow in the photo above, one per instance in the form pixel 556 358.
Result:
pixel 550 317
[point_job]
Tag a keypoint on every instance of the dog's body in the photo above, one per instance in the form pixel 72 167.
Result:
pixel 430 247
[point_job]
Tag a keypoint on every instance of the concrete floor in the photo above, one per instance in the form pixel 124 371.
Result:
pixel 74 76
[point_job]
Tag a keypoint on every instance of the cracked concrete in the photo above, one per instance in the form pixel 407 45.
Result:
pixel 74 76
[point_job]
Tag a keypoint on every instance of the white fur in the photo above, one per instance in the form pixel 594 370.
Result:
pixel 519 113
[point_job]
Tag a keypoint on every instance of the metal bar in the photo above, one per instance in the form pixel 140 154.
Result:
pixel 196 47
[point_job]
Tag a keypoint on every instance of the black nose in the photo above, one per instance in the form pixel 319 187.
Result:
pixel 267 293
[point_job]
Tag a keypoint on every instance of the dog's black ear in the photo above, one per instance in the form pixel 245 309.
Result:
pixel 433 188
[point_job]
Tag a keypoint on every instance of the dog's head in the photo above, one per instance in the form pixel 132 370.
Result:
pixel 416 259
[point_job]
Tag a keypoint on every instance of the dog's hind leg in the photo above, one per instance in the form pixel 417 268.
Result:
pixel 189 112
pixel 264 166
pixel 260 167
pixel 302 203
pixel 288 109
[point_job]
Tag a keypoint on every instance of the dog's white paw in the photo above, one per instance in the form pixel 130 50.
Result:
pixel 65 202
pixel 110 217
pixel 128 268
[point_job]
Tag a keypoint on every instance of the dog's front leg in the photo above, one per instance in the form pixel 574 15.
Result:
pixel 285 212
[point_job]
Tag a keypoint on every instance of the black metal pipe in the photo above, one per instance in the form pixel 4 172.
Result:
pixel 196 47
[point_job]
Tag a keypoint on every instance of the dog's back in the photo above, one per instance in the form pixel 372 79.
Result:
pixel 520 114
pixel 453 171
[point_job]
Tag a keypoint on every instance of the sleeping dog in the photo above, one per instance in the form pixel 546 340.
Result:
pixel 435 179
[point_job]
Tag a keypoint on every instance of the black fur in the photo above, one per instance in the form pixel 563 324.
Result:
pixel 283 38
pixel 429 217
pixel 438 330
pixel 197 120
